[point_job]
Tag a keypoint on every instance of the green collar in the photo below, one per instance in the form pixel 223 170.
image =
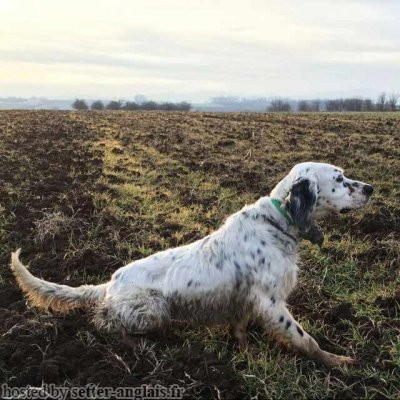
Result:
pixel 278 205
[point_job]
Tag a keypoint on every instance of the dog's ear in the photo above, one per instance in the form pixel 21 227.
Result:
pixel 301 202
pixel 314 235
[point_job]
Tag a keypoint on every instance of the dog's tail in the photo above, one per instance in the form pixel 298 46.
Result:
pixel 61 298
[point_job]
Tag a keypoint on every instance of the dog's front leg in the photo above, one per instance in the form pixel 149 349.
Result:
pixel 239 331
pixel 278 320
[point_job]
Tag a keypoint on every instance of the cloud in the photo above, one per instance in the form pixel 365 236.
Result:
pixel 199 48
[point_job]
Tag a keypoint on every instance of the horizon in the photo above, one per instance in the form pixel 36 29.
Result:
pixel 206 101
pixel 176 51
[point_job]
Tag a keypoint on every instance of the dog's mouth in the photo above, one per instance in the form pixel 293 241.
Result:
pixel 355 206
pixel 367 197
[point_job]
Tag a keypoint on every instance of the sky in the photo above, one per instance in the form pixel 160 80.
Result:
pixel 196 49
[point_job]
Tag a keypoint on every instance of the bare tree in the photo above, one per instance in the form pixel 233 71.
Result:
pixel 80 104
pixel 303 106
pixel 279 105
pixel 316 105
pixel 392 101
pixel 184 106
pixel 368 105
pixel 352 104
pixel 334 105
pixel 97 105
pixel 130 106
pixel 114 105
pixel 381 102
pixel 149 105
pixel 167 106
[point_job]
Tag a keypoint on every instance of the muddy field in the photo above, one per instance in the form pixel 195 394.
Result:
pixel 84 193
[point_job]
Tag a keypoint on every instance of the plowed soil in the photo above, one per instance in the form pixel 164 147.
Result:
pixel 85 192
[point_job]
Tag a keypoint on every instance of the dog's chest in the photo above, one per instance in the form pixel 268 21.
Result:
pixel 287 281
pixel 278 274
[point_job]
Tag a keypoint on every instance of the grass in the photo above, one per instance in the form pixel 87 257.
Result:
pixel 85 193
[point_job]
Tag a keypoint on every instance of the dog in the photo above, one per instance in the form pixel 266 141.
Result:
pixel 243 271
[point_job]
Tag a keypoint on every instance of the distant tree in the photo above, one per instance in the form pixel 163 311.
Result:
pixel 316 105
pixel 334 105
pixel 352 104
pixel 328 105
pixel 309 105
pixel 130 106
pixel 97 105
pixel 392 102
pixel 184 106
pixel 80 104
pixel 303 106
pixel 279 105
pixel 149 105
pixel 114 105
pixel 167 107
pixel 381 102
pixel 368 105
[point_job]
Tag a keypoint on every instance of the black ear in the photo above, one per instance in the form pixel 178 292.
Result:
pixel 301 202
pixel 314 235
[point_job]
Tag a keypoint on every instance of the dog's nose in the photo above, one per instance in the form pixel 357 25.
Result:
pixel 367 190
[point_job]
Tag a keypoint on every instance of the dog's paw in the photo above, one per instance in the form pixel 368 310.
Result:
pixel 333 360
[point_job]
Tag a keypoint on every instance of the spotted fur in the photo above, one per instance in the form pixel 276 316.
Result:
pixel 244 270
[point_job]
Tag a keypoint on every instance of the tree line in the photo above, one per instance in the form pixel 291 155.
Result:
pixel 80 104
pixel 384 102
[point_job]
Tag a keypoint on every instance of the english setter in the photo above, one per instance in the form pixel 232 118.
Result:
pixel 244 270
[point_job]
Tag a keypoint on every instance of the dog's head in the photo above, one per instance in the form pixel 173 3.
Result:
pixel 312 190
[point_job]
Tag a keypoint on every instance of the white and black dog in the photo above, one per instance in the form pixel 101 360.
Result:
pixel 244 270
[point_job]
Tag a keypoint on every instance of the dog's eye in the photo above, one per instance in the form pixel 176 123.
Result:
pixel 339 179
